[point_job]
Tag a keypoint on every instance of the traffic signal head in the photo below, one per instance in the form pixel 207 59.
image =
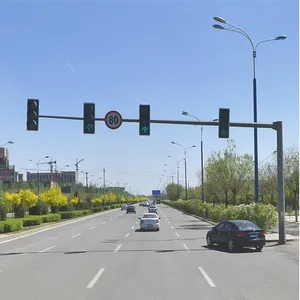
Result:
pixel 224 123
pixel 89 118
pixel 32 115
pixel 144 120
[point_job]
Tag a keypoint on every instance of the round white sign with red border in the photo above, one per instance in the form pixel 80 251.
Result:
pixel 113 119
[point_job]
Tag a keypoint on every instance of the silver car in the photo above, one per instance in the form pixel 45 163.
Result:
pixel 149 221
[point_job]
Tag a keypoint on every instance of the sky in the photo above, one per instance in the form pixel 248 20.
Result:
pixel 120 54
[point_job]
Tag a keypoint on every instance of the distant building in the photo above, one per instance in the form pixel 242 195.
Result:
pixel 4 158
pixel 63 177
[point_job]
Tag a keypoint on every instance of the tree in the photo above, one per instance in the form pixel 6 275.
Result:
pixel 227 174
pixel 54 197
pixel 291 178
pixel 21 200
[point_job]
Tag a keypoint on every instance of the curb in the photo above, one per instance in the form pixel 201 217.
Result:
pixel 50 225
pixel 197 217
pixel 277 241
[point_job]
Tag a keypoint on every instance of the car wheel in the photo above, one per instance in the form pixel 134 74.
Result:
pixel 259 248
pixel 209 242
pixel 231 246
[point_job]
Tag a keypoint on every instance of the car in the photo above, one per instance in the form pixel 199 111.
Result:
pixel 149 221
pixel 237 234
pixel 124 206
pixel 152 209
pixel 131 208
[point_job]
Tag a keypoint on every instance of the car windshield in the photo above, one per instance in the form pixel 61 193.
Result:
pixel 246 225
pixel 150 216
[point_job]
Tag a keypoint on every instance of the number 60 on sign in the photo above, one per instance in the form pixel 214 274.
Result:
pixel 113 119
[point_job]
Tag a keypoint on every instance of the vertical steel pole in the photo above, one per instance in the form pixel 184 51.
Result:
pixel 280 184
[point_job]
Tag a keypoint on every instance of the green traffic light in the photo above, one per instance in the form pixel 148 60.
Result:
pixel 144 129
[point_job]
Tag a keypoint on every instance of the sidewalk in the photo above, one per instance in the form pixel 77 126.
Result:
pixel 291 218
pixel 274 237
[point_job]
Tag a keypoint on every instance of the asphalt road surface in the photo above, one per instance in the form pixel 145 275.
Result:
pixel 106 257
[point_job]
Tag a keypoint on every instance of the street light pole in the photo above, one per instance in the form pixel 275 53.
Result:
pixel 185 167
pixel 185 175
pixel 237 29
pixel 38 174
pixel 202 167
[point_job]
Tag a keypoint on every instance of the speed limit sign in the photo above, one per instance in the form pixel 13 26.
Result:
pixel 113 119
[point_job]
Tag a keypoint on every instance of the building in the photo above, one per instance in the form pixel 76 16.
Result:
pixel 4 157
pixel 67 177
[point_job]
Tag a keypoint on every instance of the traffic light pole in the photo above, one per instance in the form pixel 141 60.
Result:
pixel 277 126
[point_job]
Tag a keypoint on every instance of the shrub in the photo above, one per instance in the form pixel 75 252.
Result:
pixel 51 218
pixel 10 225
pixel 264 215
pixel 106 207
pixel 74 214
pixel 32 221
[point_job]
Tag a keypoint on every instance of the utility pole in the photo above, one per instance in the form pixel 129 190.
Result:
pixel 104 179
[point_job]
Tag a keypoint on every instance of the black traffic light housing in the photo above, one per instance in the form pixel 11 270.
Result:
pixel 144 119
pixel 88 118
pixel 32 115
pixel 224 120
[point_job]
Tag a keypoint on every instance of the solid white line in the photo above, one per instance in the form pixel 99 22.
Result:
pixel 186 247
pixel 94 280
pixel 119 246
pixel 56 226
pixel 132 227
pixel 177 234
pixel 92 227
pixel 207 278
pixel 103 222
pixel 47 249
pixel 127 234
pixel 76 235
pixel 172 227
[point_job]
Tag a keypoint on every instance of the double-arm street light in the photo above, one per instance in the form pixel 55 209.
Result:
pixel 185 113
pixel 38 174
pixel 185 172
pixel 234 28
pixel 7 143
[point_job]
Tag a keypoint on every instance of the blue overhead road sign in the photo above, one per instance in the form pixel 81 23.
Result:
pixel 155 192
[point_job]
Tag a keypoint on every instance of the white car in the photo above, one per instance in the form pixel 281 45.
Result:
pixel 149 221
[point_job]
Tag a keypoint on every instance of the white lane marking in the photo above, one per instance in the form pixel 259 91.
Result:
pixel 47 249
pixel 186 247
pixel 127 234
pixel 103 222
pixel 169 222
pixel 57 226
pixel 76 235
pixel 207 278
pixel 177 234
pixel 94 280
pixel 132 227
pixel 92 227
pixel 110 219
pixel 118 247
pixel 166 219
pixel 136 222
pixel 172 227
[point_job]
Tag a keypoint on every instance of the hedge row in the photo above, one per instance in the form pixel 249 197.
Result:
pixel 264 215
pixel 18 223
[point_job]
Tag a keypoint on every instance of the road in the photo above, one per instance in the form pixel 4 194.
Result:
pixel 106 257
